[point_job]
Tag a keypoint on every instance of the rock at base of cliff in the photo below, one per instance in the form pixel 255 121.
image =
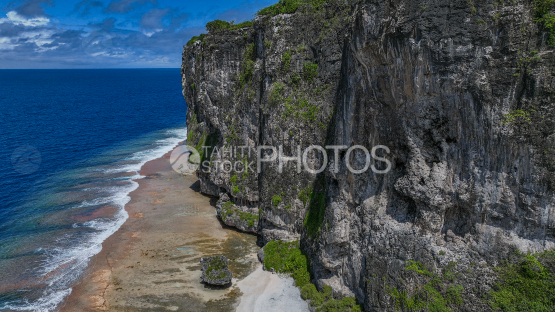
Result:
pixel 244 218
pixel 261 255
pixel 215 271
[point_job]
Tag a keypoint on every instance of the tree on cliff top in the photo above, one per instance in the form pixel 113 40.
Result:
pixel 218 25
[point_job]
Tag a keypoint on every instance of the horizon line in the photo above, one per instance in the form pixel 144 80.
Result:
pixel 90 68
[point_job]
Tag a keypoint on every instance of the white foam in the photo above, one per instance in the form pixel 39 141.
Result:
pixel 69 263
pixel 116 190
pixel 166 145
pixel 47 303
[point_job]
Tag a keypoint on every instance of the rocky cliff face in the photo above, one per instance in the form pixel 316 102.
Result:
pixel 459 91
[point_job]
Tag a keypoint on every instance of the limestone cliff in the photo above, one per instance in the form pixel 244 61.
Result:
pixel 459 91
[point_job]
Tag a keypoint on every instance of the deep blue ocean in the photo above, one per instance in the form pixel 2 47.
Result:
pixel 71 143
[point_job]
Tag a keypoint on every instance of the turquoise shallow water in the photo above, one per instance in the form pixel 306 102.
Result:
pixel 72 141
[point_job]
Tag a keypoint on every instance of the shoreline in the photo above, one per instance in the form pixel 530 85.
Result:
pixel 152 262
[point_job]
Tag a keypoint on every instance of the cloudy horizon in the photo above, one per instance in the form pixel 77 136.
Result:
pixel 37 34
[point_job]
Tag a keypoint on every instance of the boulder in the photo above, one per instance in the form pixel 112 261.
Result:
pixel 215 271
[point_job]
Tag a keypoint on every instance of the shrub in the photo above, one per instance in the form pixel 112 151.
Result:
pixel 248 69
pixel 195 39
pixel 249 217
pixel 295 78
pixel 417 267
pixel 241 25
pixel 433 295
pixel 309 292
pixel 275 94
pixel 276 199
pixel 289 7
pixel 233 179
pixel 304 195
pixel 301 277
pixel 227 211
pixel 544 16
pixel 248 65
pixel 310 70
pixel 216 267
pixel 250 52
pixel 285 257
pixel 217 25
pixel 286 61
pixel 517 115
pixel 282 7
pixel 345 304
pixel 527 284
pixel 227 205
pixel 301 109
pixel 327 291
pixel 453 294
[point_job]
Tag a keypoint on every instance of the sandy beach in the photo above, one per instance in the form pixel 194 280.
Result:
pixel 152 263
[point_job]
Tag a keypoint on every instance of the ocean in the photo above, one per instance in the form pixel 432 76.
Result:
pixel 72 142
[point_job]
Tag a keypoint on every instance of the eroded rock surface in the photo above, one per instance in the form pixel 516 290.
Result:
pixel 242 217
pixel 215 271
pixel 460 93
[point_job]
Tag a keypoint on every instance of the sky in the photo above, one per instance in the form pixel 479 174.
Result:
pixel 42 34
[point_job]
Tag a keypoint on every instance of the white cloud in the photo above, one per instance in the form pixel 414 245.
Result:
pixel 17 19
pixel 6 44
pixel 150 33
pixel 40 36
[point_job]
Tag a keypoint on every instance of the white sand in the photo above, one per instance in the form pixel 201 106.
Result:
pixel 267 292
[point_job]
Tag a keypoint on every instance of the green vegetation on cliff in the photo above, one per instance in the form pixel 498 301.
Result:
pixel 289 6
pixel 316 197
pixel 275 95
pixel 437 293
pixel 324 302
pixel 526 283
pixel 304 195
pixel 286 61
pixel 285 257
pixel 301 109
pixel 195 39
pixel 276 199
pixel 210 142
pixel 310 70
pixel 218 25
pixel 544 16
pixel 228 211
pixel 245 77
pixel 516 115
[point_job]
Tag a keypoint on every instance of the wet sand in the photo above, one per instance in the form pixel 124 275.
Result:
pixel 152 263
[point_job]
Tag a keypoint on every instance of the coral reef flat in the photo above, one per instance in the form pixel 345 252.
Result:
pixel 152 262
